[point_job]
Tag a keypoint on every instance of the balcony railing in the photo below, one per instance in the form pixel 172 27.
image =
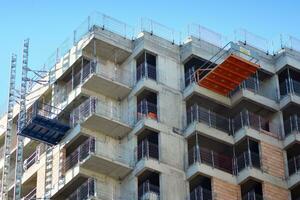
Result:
pixel 95 106
pixel 200 193
pixel 246 159
pixel 289 86
pixel 31 160
pixel 146 149
pixel 82 152
pixel 146 109
pixel 145 70
pixel 84 191
pixel 211 158
pixel 31 195
pixel 252 196
pixel 248 119
pixel 148 191
pixel 254 85
pixel 292 125
pixel 294 165
pixel 208 117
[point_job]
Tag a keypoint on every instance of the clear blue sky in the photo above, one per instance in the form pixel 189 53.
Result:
pixel 48 22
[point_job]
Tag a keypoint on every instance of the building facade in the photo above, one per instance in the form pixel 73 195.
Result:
pixel 142 128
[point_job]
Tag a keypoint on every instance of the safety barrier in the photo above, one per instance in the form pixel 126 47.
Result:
pixel 289 86
pixel 31 195
pixel 145 70
pixel 95 106
pixel 200 193
pixel 252 196
pixel 31 160
pixel 78 155
pixel 207 35
pixel 146 109
pixel 294 165
pixel 148 191
pixel 146 149
pixel 246 159
pixel 211 158
pixel 84 191
pixel 292 125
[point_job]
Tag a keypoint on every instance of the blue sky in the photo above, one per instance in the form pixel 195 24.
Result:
pixel 48 22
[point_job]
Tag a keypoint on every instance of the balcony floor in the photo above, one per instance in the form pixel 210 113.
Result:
pixel 106 125
pixel 103 85
pixel 112 168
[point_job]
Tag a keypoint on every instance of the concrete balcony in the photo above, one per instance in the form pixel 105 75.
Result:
pixel 208 123
pixel 294 171
pixel 103 117
pixel 112 82
pixel 289 93
pixel 205 161
pixel 292 130
pixel 231 129
pixel 200 193
pixel 245 92
pixel 101 158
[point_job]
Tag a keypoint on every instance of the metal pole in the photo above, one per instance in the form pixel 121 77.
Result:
pixel 21 123
pixel 9 132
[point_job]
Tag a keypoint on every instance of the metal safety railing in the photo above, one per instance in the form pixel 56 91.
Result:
pixel 246 37
pixel 211 158
pixel 148 191
pixel 79 154
pixel 84 191
pixel 160 30
pixel 31 160
pixel 245 160
pixel 294 165
pixel 208 117
pixel 146 149
pixel 261 124
pixel 207 35
pixel 292 125
pixel 146 109
pixel 145 70
pixel 289 86
pixel 31 195
pixel 200 193
pixel 252 196
pixel 95 106
pixel 254 85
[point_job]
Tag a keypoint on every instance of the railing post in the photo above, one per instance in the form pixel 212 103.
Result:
pixel 197 113
pixel 242 121
pixel 295 163
pixel 245 159
pixel 259 123
pixel 291 124
pixel 147 149
pixel 209 117
pixel 296 123
pixel 213 159
pixel 248 118
pixel 146 70
pixel 201 193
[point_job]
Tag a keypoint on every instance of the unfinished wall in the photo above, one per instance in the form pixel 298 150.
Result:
pixel 273 192
pixel 224 191
pixel 272 160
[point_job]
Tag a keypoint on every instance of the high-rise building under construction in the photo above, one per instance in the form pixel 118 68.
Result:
pixel 118 116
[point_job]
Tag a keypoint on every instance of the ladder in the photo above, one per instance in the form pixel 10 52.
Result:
pixel 21 122
pixel 8 135
pixel 48 171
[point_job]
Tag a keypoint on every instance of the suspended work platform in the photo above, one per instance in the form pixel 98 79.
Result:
pixel 43 124
pixel 237 66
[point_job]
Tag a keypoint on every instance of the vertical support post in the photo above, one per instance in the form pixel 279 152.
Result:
pixel 197 156
pixel 249 152
pixel 9 132
pixel 291 88
pixel 21 122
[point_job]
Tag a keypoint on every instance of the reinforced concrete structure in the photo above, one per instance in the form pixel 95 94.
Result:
pixel 148 117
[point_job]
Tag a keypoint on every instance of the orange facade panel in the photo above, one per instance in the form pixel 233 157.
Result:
pixel 228 75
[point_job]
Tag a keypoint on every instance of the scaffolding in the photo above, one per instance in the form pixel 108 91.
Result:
pixel 9 132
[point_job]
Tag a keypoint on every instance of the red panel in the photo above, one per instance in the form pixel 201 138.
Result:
pixel 226 76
